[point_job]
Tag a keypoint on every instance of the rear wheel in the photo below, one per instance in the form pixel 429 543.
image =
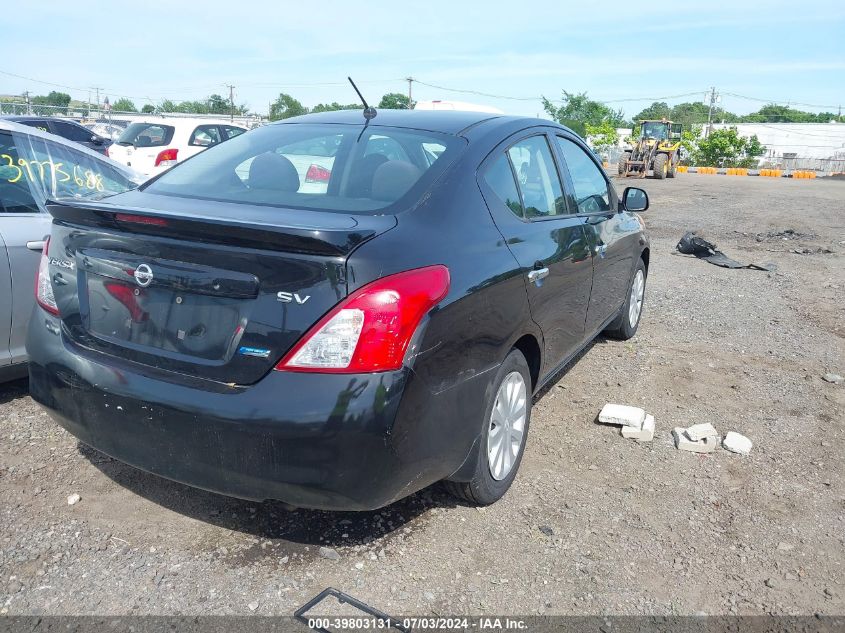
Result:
pixel 507 415
pixel 661 166
pixel 623 163
pixel 625 325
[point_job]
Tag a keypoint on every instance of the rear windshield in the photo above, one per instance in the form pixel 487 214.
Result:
pixel 146 135
pixel 328 167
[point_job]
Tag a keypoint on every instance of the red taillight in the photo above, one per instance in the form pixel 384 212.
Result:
pixel 140 219
pixel 44 285
pixel 316 173
pixel 106 151
pixel 370 330
pixel 166 157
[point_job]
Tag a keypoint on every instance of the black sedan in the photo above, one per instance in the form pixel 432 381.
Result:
pixel 66 128
pixel 337 314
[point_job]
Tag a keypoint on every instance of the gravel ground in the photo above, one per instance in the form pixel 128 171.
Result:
pixel 593 524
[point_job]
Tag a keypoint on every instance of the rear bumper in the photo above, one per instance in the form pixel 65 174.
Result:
pixel 339 442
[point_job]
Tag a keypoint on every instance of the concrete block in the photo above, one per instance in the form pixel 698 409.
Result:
pixel 698 432
pixel 622 414
pixel 684 443
pixel 644 434
pixel 736 443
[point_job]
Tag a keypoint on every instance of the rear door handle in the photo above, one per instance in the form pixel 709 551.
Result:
pixel 37 245
pixel 537 275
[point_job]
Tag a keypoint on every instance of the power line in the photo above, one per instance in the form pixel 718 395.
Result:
pixel 776 102
pixel 513 98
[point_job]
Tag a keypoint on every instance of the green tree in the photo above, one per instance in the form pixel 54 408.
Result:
pixel 285 107
pixel 580 109
pixel 690 136
pixel 218 105
pixel 656 111
pixel 168 106
pixel 58 101
pixel 192 107
pixel 395 101
pixel 726 148
pixel 124 105
pixel 773 113
pixel 148 109
pixel 603 136
pixel 334 106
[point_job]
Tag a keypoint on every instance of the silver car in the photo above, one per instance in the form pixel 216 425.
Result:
pixel 36 166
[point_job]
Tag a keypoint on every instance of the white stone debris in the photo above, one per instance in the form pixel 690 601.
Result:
pixel 621 414
pixel 643 434
pixel 736 443
pixel 684 443
pixel 73 499
pixel 698 432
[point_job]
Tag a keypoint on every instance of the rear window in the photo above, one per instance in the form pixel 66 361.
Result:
pixel 348 168
pixel 146 135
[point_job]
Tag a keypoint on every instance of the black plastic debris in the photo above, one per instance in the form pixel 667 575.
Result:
pixel 377 620
pixel 692 244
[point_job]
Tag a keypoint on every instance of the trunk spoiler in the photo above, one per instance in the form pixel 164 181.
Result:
pixel 327 237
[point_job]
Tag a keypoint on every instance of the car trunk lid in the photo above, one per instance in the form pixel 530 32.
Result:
pixel 220 295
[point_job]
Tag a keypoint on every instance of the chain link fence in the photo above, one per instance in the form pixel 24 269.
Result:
pixel 787 163
pixel 93 114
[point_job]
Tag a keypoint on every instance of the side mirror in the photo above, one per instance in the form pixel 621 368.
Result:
pixel 634 200
pixel 96 140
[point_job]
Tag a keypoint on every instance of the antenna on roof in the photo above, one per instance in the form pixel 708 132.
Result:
pixel 369 112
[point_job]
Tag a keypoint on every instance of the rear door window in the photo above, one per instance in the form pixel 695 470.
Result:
pixel 539 183
pixel 37 124
pixel 205 136
pixel 72 132
pixel 500 178
pixel 15 193
pixel 591 189
pixel 230 131
pixel 40 169
pixel 147 135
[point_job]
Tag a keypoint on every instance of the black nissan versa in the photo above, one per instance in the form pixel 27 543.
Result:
pixel 336 313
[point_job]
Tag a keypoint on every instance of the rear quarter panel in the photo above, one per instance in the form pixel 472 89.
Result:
pixel 469 333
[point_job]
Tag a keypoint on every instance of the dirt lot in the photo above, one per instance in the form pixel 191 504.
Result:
pixel 594 523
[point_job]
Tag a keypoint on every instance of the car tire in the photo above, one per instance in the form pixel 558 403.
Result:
pixel 659 166
pixel 623 163
pixel 625 325
pixel 489 483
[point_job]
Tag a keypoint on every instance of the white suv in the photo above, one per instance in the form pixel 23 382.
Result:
pixel 150 146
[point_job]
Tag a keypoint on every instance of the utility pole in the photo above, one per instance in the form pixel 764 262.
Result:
pixel 410 81
pixel 231 102
pixel 28 104
pixel 97 89
pixel 713 97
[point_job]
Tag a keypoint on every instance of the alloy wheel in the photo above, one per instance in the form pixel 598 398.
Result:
pixel 507 425
pixel 635 304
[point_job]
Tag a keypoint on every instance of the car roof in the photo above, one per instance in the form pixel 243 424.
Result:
pixel 444 121
pixel 32 117
pixel 9 125
pixel 178 121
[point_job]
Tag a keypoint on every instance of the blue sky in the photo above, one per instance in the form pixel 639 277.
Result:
pixel 782 51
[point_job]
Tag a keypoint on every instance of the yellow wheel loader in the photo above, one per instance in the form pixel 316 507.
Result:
pixel 656 150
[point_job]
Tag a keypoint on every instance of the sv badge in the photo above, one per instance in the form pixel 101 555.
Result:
pixel 287 297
